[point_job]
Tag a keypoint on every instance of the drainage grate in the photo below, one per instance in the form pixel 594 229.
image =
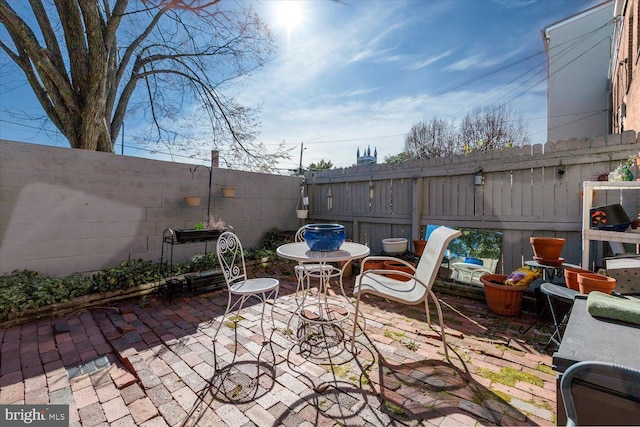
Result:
pixel 88 367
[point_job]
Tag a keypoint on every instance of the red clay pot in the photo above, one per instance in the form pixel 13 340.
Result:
pixel 418 246
pixel 373 265
pixel 502 299
pixel 398 266
pixel 547 247
pixel 590 282
pixel 571 277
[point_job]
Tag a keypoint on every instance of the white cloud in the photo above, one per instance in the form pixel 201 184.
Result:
pixel 353 93
pixel 426 62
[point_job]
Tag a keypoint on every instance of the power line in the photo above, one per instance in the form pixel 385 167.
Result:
pixel 564 46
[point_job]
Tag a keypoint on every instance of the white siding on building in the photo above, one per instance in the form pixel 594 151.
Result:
pixel 578 50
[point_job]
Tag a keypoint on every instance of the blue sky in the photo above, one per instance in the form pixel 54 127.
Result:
pixel 350 74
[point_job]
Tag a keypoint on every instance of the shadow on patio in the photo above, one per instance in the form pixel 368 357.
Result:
pixel 160 367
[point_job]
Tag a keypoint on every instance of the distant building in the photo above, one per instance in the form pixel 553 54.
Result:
pixel 578 86
pixel 367 158
pixel 624 67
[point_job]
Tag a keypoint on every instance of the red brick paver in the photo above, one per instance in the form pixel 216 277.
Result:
pixel 162 367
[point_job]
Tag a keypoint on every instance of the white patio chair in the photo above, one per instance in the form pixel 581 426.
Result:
pixel 231 260
pixel 601 393
pixel 415 290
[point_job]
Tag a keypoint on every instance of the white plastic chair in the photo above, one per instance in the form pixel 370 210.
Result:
pixel 231 260
pixel 418 288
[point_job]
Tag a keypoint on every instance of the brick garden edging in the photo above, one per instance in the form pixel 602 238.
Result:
pixel 79 303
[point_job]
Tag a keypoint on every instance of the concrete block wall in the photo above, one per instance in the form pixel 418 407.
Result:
pixel 65 210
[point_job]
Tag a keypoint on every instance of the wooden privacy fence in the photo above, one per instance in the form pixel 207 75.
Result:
pixel 521 192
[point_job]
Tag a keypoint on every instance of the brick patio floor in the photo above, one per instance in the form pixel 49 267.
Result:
pixel 151 363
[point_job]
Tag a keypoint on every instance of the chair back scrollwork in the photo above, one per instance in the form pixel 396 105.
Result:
pixel 231 258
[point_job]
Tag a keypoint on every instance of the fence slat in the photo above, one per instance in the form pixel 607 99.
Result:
pixel 523 193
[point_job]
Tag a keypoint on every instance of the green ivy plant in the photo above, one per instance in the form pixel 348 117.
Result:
pixel 274 238
pixel 25 289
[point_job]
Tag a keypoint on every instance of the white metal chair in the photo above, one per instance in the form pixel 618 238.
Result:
pixel 306 271
pixel 231 260
pixel 415 290
pixel 608 386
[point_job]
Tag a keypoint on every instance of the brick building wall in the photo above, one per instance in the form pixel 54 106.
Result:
pixel 625 71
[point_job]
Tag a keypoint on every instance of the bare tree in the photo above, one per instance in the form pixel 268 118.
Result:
pixel 491 128
pixel 483 129
pixel 432 138
pixel 90 63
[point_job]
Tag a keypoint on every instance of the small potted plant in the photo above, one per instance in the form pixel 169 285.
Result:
pixel 228 191
pixel 302 209
pixel 192 201
pixel 201 231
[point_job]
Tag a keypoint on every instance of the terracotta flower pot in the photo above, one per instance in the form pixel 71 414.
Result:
pixel 590 282
pixel 502 299
pixel 571 277
pixel 418 246
pixel 347 269
pixel 228 192
pixel 398 266
pixel 373 265
pixel 192 201
pixel 547 247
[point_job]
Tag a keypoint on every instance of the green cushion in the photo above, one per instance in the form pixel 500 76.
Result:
pixel 610 307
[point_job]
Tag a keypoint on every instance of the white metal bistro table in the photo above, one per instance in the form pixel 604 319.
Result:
pixel 322 311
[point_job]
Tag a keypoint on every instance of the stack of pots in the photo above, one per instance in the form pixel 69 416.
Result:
pixel 585 281
pixel 546 250
pixel 571 277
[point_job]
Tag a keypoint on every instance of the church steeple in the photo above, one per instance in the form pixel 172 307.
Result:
pixel 367 158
